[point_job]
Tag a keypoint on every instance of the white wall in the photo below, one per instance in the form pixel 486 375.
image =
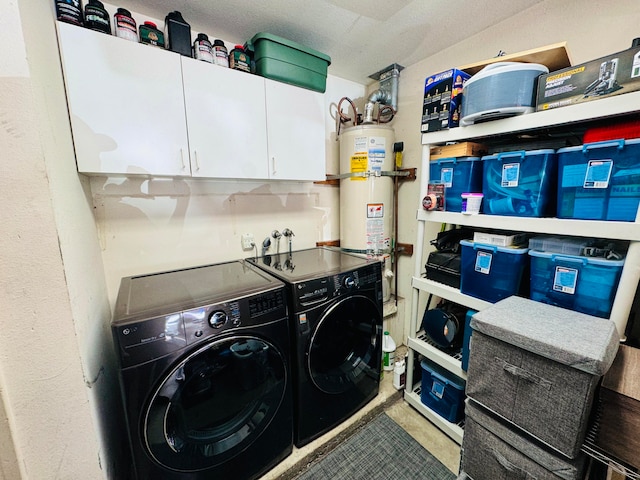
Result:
pixel 67 239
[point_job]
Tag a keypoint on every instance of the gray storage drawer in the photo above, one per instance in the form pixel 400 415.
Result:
pixel 538 366
pixel 493 450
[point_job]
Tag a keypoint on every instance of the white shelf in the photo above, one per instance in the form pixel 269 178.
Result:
pixel 449 293
pixel 436 355
pixel 557 226
pixel 454 431
pixel 572 114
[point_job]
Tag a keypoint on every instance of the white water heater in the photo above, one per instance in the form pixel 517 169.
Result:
pixel 366 194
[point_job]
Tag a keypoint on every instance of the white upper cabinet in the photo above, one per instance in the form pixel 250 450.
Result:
pixel 138 109
pixel 296 124
pixel 125 104
pixel 226 119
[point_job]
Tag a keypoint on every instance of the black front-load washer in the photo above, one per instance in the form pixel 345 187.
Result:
pixel 205 373
pixel 335 307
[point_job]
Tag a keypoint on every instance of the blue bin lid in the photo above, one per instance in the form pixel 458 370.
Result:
pixel 620 143
pixel 578 258
pixel 485 246
pixel 456 159
pixel 519 153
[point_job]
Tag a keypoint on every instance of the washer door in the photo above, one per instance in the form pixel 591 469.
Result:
pixel 345 347
pixel 214 403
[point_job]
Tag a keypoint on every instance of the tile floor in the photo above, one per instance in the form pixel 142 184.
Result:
pixel 391 402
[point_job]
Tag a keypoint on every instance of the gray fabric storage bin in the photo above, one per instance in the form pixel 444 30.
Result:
pixel 538 366
pixel 493 450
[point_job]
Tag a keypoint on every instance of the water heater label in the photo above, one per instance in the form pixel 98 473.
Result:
pixel 375 210
pixel 359 165
pixel 376 153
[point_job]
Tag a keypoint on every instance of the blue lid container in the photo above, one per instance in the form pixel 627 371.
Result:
pixel 582 284
pixel 490 272
pixel 442 391
pixel 599 181
pixel 520 183
pixel 459 175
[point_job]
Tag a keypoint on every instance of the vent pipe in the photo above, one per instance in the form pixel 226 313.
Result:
pixel 387 93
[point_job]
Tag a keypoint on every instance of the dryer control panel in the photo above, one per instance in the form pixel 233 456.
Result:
pixel 145 340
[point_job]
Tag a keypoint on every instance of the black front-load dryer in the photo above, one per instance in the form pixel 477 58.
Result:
pixel 335 307
pixel 205 374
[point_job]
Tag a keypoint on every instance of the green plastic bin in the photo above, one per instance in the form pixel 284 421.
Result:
pixel 289 62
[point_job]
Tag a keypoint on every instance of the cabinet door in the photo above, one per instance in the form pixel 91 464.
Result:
pixel 296 132
pixel 227 121
pixel 125 104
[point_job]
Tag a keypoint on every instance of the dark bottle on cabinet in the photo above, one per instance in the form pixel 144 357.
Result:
pixel 69 11
pixel 150 34
pixel 178 33
pixel 96 17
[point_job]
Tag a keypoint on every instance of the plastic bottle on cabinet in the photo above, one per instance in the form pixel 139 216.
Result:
pixel 150 34
pixel 388 352
pixel 124 25
pixel 239 59
pixel 202 48
pixel 69 11
pixel 96 17
pixel 220 53
pixel 178 34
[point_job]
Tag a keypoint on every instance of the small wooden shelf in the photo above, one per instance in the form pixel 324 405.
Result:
pixel 554 57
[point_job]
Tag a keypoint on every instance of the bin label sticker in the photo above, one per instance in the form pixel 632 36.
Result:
pixel 598 173
pixel 446 177
pixel 358 165
pixel 483 262
pixel 437 389
pixel 510 174
pixel 565 280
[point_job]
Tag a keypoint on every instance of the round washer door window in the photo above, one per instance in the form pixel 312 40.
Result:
pixel 345 347
pixel 215 403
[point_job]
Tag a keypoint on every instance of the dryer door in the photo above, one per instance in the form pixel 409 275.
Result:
pixel 345 349
pixel 214 403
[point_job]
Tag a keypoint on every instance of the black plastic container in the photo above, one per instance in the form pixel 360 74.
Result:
pixel 220 53
pixel 69 11
pixel 96 17
pixel 202 48
pixel 178 33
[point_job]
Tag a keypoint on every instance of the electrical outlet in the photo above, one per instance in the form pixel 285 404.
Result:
pixel 247 241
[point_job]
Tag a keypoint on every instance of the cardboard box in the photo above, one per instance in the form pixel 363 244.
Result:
pixel 462 149
pixel 442 100
pixel 620 400
pixel 611 75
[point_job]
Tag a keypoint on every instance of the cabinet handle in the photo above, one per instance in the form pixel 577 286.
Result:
pixel 182 159
pixel 273 164
pixel 195 156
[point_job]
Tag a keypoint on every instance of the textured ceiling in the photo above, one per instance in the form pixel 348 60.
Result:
pixel 361 36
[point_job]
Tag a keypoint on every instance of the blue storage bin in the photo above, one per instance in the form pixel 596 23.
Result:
pixel 459 175
pixel 466 339
pixel 599 181
pixel 490 272
pixel 520 183
pixel 582 284
pixel 442 391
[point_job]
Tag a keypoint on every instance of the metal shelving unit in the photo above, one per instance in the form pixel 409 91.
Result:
pixel 560 119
